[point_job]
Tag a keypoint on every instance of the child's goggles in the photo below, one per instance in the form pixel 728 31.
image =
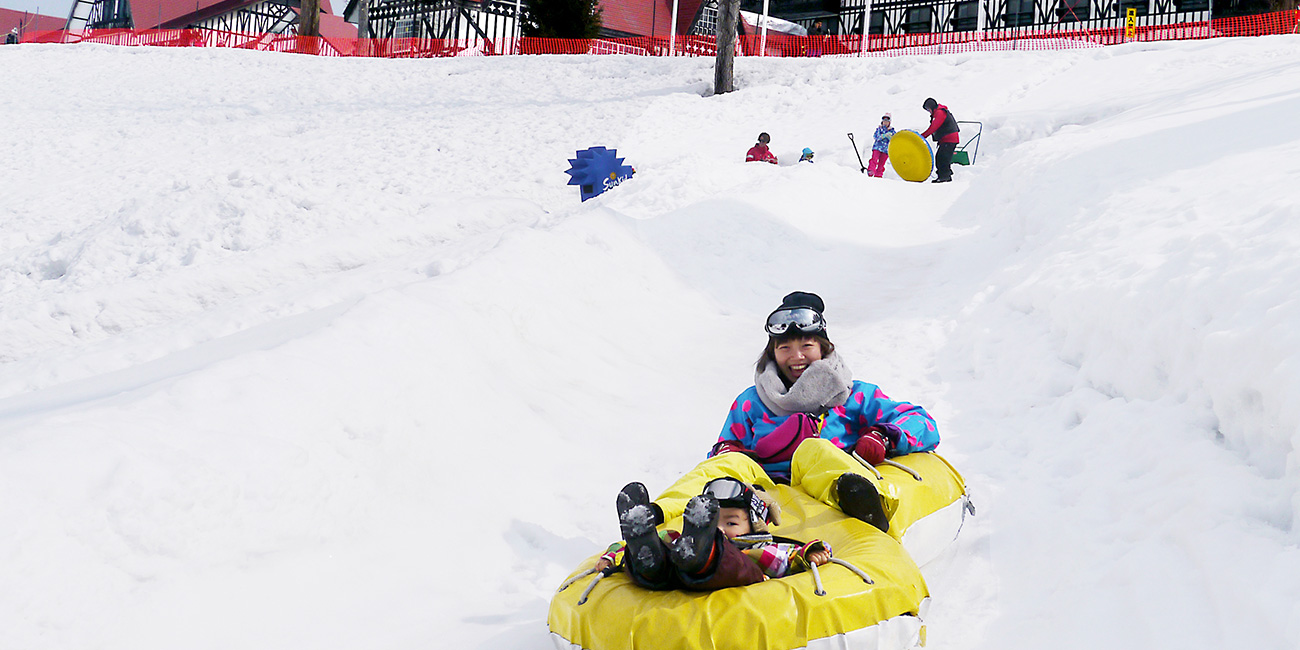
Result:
pixel 804 319
pixel 733 493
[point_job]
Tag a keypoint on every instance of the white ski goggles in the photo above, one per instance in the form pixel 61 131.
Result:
pixel 805 319
pixel 732 493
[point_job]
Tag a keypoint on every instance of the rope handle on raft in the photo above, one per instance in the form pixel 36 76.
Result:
pixel 817 581
pixel 609 571
pixel 888 462
pixel 574 579
pixel 903 467
pixel 859 572
pixel 865 464
pixel 817 576
pixel 590 587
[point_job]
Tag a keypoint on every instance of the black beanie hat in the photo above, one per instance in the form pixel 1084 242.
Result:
pixel 796 300
pixel 804 299
pixel 930 104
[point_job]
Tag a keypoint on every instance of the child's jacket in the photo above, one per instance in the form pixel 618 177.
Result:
pixel 883 134
pixel 760 153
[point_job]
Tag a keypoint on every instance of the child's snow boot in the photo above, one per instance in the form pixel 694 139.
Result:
pixel 645 554
pixel 860 500
pixel 692 551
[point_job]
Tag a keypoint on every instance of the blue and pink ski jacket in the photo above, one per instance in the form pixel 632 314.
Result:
pixel 882 136
pixel 750 420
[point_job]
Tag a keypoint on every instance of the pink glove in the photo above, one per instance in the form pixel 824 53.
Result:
pixel 871 447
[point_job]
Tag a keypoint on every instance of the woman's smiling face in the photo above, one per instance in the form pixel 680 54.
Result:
pixel 793 356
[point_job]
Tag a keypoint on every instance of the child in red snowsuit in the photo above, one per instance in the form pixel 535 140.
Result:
pixel 759 152
pixel 724 540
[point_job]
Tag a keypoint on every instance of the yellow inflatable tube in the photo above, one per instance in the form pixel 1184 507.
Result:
pixel 925 497
pixel 781 614
pixel 910 156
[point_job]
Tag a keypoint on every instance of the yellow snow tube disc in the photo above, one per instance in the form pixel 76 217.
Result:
pixel 780 614
pixel 910 155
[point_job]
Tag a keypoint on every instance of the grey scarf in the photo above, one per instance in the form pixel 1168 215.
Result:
pixel 824 385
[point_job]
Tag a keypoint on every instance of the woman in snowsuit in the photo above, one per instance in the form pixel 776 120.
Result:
pixel 805 412
pixel 943 128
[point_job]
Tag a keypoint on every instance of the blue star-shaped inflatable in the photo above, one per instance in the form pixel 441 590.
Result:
pixel 596 170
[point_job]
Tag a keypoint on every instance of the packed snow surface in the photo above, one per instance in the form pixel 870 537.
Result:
pixel 303 352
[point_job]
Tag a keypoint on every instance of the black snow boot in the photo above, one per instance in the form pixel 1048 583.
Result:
pixel 645 555
pixel 860 500
pixel 691 552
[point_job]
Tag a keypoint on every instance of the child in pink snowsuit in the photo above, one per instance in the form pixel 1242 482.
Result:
pixel 880 149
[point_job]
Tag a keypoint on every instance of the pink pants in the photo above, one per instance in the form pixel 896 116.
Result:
pixel 876 168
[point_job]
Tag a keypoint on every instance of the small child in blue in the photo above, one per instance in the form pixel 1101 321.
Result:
pixel 807 155
pixel 880 149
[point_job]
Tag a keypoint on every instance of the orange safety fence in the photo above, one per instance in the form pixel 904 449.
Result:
pixel 774 44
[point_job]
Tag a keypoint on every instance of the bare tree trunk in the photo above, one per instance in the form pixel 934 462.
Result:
pixel 308 27
pixel 728 12
pixel 309 18
pixel 363 26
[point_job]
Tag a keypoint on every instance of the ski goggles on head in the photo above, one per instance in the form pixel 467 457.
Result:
pixel 804 319
pixel 733 493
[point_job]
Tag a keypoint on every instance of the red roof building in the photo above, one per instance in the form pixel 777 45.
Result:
pixel 26 21
pixel 234 16
pixel 178 14
pixel 646 17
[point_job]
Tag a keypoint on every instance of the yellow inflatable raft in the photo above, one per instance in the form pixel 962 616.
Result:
pixel 925 496
pixel 910 156
pixel 881 608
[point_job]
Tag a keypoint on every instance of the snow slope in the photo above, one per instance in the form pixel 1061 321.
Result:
pixel 302 352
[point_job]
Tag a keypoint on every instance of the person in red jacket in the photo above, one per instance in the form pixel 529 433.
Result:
pixel 943 128
pixel 759 152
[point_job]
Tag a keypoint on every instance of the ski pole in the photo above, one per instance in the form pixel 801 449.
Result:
pixel 855 152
